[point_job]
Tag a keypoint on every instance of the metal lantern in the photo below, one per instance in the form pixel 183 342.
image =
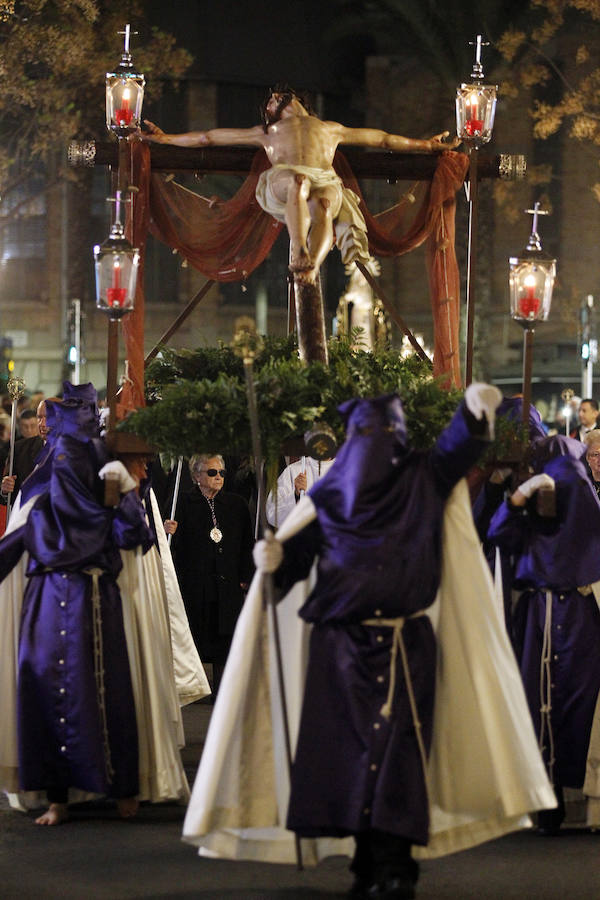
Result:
pixel 476 105
pixel 531 279
pixel 531 282
pixel 116 264
pixel 124 95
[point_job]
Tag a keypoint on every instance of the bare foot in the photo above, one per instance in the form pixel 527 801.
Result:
pixel 54 815
pixel 127 806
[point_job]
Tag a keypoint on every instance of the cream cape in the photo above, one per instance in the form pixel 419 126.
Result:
pixel 153 623
pixel 485 770
pixel 350 226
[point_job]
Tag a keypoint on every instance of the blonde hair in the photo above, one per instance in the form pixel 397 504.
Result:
pixel 592 437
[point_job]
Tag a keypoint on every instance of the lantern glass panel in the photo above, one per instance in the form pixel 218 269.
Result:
pixel 116 277
pixel 475 112
pixel 531 283
pixel 124 100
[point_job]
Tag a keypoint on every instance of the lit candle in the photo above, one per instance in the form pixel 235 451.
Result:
pixel 115 294
pixel 473 125
pixel 124 115
pixel 529 305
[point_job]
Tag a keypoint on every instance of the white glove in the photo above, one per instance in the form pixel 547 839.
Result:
pixel 267 554
pixel 483 400
pixel 534 484
pixel 116 470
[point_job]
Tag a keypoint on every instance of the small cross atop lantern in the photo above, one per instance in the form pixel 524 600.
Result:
pixel 476 104
pixel 531 278
pixel 116 270
pixel 124 94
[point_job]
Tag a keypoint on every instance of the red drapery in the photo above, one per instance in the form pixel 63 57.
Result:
pixel 227 240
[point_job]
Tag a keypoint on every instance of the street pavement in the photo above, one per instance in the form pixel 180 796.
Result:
pixel 97 855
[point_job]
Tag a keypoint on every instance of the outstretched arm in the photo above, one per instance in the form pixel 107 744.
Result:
pixel 221 137
pixel 373 137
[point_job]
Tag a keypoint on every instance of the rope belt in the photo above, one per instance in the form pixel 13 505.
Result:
pixel 546 687
pixel 398 645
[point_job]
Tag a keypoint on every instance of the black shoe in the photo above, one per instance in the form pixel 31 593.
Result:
pixel 549 821
pixel 392 889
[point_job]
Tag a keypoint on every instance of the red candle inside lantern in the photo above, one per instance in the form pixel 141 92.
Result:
pixel 115 294
pixel 473 125
pixel 123 115
pixel 529 305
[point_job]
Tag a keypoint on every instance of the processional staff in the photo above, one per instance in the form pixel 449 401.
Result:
pixel 175 494
pixel 15 388
pixel 246 344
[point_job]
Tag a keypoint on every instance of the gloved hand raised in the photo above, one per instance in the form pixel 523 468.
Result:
pixel 116 470
pixel 483 400
pixel 534 484
pixel 268 553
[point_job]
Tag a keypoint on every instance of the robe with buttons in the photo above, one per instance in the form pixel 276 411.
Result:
pixel 75 711
pixel 378 540
pixel 552 559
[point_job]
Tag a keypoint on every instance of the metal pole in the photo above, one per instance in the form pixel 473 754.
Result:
pixel 471 263
pixel 15 387
pixel 527 369
pixel 77 338
pixel 175 494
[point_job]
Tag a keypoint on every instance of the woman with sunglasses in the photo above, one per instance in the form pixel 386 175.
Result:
pixel 212 550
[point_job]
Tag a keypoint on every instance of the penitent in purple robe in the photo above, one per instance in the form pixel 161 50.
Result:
pixel 378 539
pixel 554 620
pixel 76 718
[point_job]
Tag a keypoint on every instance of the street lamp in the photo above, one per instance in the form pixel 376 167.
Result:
pixel 124 94
pixel 475 112
pixel 531 281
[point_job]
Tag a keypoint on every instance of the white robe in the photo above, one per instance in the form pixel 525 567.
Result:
pixel 485 771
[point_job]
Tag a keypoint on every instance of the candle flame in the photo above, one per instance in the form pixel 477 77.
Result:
pixel 529 281
pixel 472 101
pixel 126 93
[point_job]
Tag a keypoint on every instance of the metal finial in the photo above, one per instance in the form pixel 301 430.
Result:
pixel 15 387
pixel 126 58
pixel 477 66
pixel 534 238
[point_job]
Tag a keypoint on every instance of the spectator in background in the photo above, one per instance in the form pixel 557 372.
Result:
pixel 212 550
pixel 25 455
pixel 592 457
pixel 294 481
pixel 28 424
pixel 588 419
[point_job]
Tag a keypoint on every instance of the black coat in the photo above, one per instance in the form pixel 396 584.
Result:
pixel 211 574
pixel 26 452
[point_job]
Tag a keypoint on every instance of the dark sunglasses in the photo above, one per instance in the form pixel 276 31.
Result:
pixel 212 472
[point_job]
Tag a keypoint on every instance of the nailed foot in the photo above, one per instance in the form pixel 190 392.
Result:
pixel 54 815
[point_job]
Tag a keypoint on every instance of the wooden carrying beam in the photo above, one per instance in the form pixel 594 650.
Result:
pixel 381 164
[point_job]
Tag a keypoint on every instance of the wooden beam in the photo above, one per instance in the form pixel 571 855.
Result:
pixel 380 164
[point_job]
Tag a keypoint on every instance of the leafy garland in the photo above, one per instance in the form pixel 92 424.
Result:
pixel 198 404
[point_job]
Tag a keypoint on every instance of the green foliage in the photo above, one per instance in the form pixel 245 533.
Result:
pixel 198 398
pixel 55 55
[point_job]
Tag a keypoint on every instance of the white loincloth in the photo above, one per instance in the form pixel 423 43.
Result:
pixel 350 226
pixel 485 769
